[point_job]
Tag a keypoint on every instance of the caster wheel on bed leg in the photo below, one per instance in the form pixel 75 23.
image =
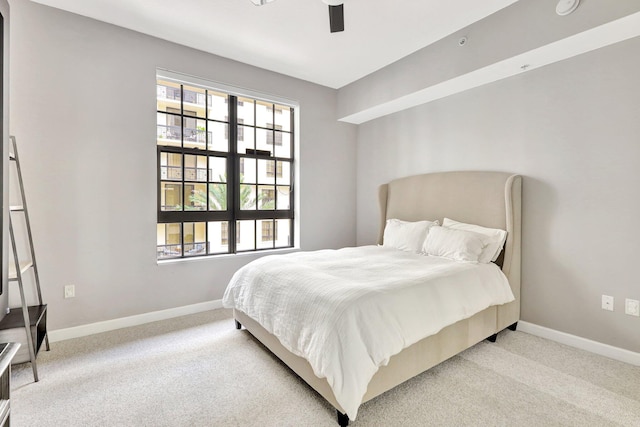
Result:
pixel 513 327
pixel 492 338
pixel 238 325
pixel 343 419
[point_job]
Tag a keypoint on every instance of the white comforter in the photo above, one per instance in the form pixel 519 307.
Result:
pixel 348 311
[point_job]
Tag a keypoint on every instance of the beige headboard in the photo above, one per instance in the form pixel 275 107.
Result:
pixel 490 199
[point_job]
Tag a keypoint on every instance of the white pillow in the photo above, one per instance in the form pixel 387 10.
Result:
pixel 406 236
pixel 495 238
pixel 458 245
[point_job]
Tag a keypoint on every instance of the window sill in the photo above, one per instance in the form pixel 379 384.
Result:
pixel 255 254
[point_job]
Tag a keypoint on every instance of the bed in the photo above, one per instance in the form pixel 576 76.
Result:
pixel 487 199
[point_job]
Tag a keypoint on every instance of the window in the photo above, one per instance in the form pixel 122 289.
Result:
pixel 224 235
pixel 225 168
pixel 275 136
pixel 267 231
pixel 273 170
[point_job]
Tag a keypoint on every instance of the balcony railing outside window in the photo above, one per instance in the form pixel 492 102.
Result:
pixel 169 132
pixel 173 94
pixel 171 207
pixel 171 173
pixel 195 174
pixel 196 135
pixel 190 249
pixel 167 92
pixel 174 133
pixel 168 251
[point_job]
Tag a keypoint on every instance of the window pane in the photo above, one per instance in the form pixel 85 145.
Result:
pixel 264 114
pixel 169 130
pixel 193 101
pixel 266 171
pixel 266 228
pixel 283 197
pixel 218 106
pixel 169 240
pixel 283 144
pixel 218 135
pixel 283 233
pixel 246 139
pixel 245 236
pixel 195 134
pixel 170 196
pixel 247 170
pixel 283 118
pixel 195 242
pixel 267 197
pixel 217 197
pixel 247 197
pixel 195 168
pixel 168 95
pixel 195 197
pixel 264 140
pixel 283 173
pixel 217 169
pixel 170 167
pixel 277 138
pixel 245 111
pixel 218 237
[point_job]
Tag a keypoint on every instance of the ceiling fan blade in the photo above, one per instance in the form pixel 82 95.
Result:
pixel 336 18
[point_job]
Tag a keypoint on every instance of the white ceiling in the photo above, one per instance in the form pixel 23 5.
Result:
pixel 292 36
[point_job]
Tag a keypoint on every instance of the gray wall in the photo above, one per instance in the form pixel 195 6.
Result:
pixel 83 110
pixel 571 129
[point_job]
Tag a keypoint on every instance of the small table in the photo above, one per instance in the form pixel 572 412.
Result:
pixel 7 351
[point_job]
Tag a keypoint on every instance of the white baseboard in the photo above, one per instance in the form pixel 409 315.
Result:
pixel 606 350
pixel 124 322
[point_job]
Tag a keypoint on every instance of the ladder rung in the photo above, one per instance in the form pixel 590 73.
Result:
pixel 16 208
pixel 24 266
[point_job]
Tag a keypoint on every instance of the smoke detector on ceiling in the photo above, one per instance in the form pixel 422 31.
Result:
pixel 565 7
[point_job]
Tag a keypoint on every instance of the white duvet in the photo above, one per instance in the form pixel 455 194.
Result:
pixel 348 311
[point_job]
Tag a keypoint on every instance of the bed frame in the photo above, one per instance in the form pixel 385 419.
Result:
pixel 490 199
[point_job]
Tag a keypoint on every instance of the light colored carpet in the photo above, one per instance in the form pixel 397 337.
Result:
pixel 198 370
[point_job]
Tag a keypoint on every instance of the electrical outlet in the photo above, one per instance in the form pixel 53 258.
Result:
pixel 69 291
pixel 632 307
pixel 607 302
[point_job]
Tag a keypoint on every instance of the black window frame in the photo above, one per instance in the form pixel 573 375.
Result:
pixel 233 213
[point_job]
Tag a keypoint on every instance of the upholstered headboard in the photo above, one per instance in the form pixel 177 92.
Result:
pixel 490 199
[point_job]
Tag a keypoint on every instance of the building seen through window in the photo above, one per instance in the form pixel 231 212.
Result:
pixel 225 168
